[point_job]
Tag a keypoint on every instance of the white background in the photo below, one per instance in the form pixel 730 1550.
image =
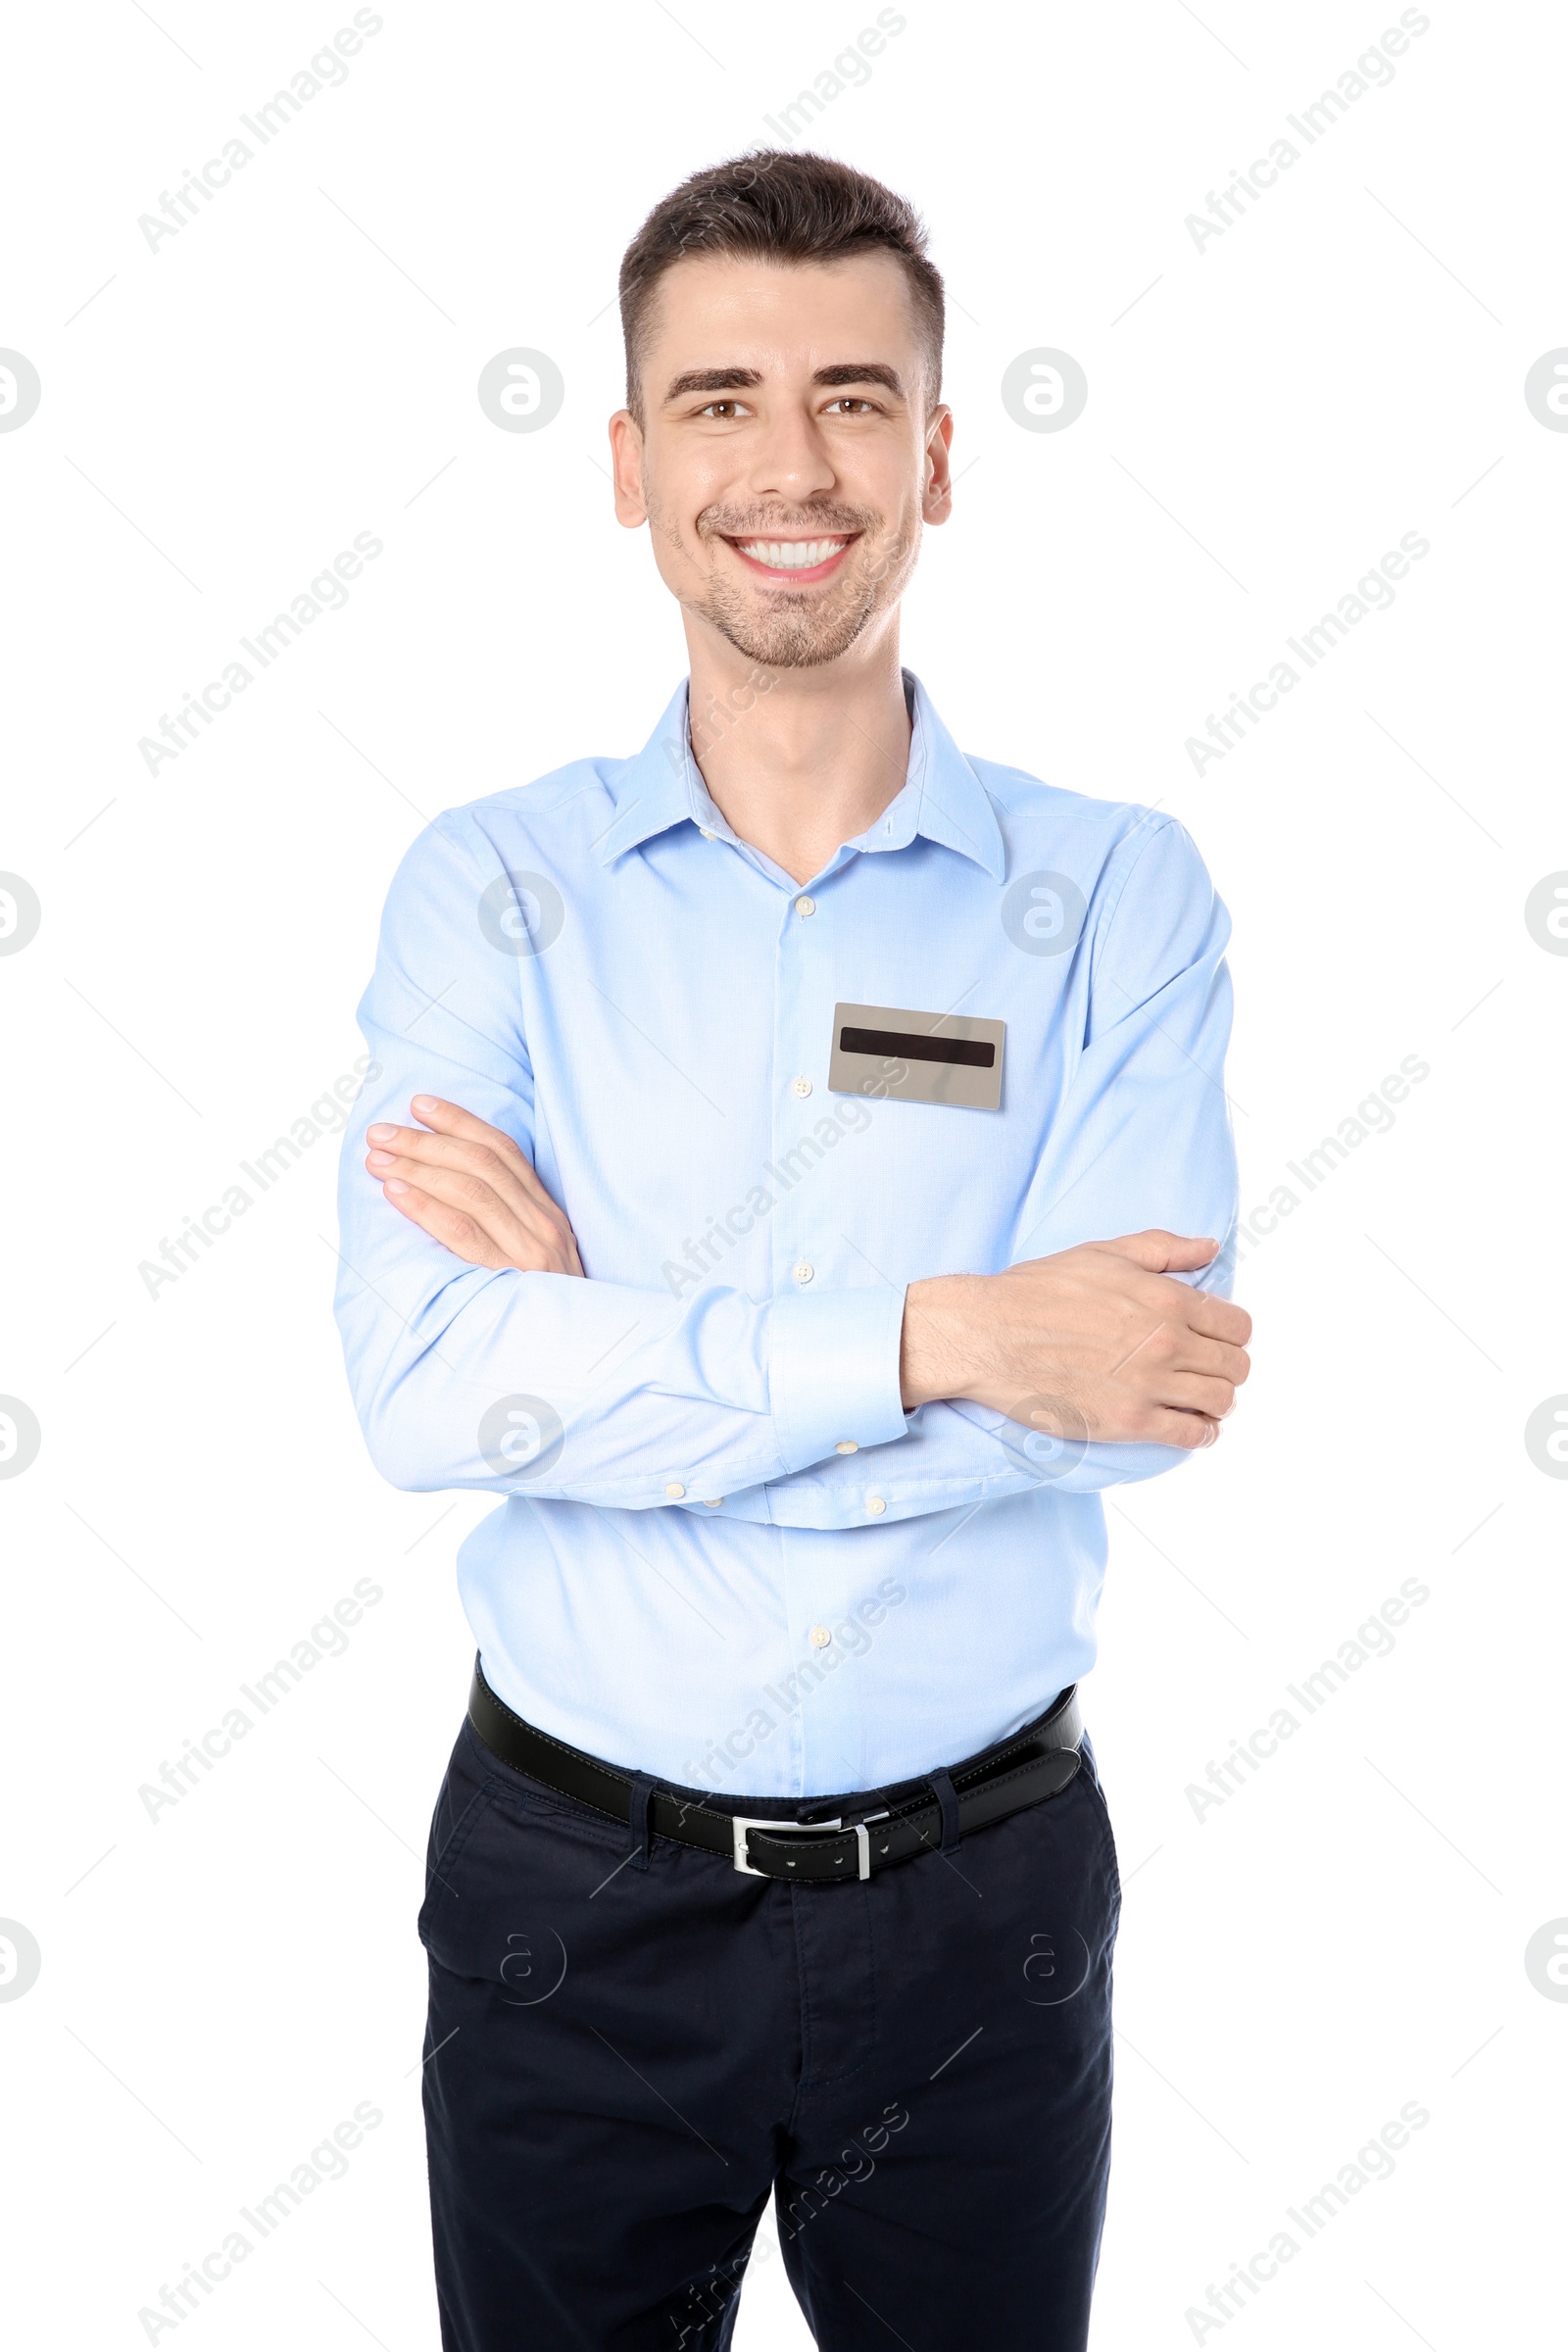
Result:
pixel 1343 366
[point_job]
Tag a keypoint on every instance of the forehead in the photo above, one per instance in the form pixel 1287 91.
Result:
pixel 781 317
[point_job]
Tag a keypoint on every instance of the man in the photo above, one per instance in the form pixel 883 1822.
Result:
pixel 787 1150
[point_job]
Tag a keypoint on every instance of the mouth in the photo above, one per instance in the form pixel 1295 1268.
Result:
pixel 795 561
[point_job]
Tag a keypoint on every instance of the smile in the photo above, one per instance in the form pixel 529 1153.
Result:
pixel 795 559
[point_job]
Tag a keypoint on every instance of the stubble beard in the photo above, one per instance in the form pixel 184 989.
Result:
pixel 780 630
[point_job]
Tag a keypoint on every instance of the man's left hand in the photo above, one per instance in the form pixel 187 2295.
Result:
pixel 471 1189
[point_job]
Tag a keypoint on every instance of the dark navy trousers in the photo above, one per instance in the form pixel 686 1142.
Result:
pixel 631 2049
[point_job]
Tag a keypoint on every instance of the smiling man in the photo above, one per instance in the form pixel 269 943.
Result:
pixel 786 1184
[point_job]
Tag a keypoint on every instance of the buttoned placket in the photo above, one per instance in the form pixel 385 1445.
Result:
pixel 805 1242
pixel 806 1249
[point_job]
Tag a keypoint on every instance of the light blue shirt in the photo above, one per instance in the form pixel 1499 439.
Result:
pixel 726 1555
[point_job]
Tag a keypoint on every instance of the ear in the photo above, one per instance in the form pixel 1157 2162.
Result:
pixel 626 457
pixel 937 500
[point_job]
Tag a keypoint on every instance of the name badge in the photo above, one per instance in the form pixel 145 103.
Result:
pixel 946 1058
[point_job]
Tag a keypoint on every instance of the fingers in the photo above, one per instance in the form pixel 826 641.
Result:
pixel 456 1232
pixel 460 1186
pixel 484 1150
pixel 1215 1358
pixel 1191 1393
pixel 450 1119
pixel 1183 1303
pixel 457 1135
pixel 1160 1368
pixel 1160 1252
pixel 1219 1319
pixel 1170 1366
pixel 469 1164
pixel 472 1189
pixel 1191 1431
pixel 527 1239
pixel 493 1240
pixel 458 1171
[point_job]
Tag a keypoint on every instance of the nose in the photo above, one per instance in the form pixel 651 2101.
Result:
pixel 790 458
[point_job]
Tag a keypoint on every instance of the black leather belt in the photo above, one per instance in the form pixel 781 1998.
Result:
pixel 1023 1771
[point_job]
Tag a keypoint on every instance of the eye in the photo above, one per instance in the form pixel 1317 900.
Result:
pixel 723 409
pixel 856 401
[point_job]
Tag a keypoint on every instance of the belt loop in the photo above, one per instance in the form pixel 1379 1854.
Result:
pixel 642 1828
pixel 946 1798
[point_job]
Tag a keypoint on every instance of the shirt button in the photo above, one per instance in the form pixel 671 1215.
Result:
pixel 713 1502
pixel 674 1490
pixel 846 1445
pixel 820 1637
pixel 803 1086
pixel 805 905
pixel 875 1505
pixel 804 1272
pixel 706 836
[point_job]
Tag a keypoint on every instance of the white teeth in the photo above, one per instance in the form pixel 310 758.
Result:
pixel 791 554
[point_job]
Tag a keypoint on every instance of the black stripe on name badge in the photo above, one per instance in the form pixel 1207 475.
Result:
pixel 972 1052
pixel 897 1054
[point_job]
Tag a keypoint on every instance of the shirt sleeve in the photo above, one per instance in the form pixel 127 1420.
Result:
pixel 548 1384
pixel 1143 1138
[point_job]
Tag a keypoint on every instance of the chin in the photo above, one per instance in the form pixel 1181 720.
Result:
pixel 794 633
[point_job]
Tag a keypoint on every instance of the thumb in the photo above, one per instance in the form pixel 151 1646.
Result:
pixel 1161 1253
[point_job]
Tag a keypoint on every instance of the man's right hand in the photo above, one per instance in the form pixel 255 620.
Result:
pixel 1097 1338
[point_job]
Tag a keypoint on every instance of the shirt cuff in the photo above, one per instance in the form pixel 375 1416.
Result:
pixel 833 1371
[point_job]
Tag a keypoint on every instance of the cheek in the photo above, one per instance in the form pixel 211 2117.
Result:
pixel 890 552
pixel 680 550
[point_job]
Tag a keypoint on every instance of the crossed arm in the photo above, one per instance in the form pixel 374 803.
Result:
pixel 1099 1340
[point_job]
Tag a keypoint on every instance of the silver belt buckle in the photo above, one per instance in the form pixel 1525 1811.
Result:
pixel 741 1823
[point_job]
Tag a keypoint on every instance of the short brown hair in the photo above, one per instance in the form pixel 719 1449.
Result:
pixel 790 208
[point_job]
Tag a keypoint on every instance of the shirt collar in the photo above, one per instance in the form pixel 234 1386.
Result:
pixel 942 799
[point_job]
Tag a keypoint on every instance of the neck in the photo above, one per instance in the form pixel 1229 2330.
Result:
pixel 799 760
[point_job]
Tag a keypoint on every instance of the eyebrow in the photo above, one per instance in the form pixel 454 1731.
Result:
pixel 862 371
pixel 744 380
